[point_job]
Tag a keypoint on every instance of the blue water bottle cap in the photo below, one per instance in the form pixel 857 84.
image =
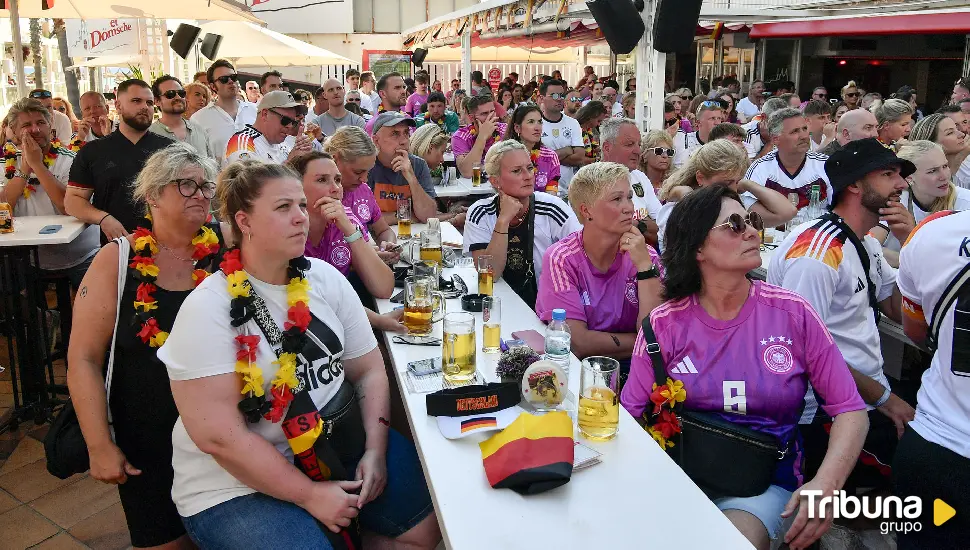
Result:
pixel 559 315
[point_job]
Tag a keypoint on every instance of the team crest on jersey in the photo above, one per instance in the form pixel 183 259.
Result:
pixel 638 189
pixel 363 211
pixel 777 355
pixel 631 292
pixel 567 133
pixel 243 156
pixel 340 256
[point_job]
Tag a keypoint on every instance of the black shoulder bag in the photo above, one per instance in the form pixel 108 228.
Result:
pixel 863 253
pixel 721 457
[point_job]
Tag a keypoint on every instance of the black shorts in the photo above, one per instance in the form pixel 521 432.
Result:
pixel 874 466
pixel 930 471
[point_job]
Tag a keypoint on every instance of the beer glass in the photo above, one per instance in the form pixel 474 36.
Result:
pixel 428 268
pixel 421 301
pixel 458 348
pixel 430 245
pixel 491 324
pixel 404 219
pixel 477 176
pixel 599 405
pixel 486 275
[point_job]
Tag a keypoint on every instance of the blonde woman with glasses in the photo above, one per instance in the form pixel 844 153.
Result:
pixel 656 156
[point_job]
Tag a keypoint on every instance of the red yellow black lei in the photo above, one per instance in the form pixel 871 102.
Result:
pixel 10 164
pixel 592 144
pixel 255 405
pixel 662 422
pixel 144 269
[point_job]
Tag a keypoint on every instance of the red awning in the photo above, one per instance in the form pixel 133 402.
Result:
pixel 919 23
pixel 578 35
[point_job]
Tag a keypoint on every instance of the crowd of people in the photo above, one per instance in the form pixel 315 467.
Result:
pixel 239 228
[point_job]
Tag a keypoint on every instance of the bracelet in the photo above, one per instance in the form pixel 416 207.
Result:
pixel 356 235
pixel 500 232
pixel 104 218
pixel 882 400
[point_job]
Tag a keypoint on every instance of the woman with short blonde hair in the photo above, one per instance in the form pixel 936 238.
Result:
pixel 895 119
pixel 656 156
pixel 197 96
pixel 850 95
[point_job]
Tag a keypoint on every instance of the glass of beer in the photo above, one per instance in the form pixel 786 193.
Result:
pixel 404 219
pixel 421 301
pixel 477 176
pixel 458 348
pixel 486 275
pixel 491 324
pixel 599 404
pixel 430 245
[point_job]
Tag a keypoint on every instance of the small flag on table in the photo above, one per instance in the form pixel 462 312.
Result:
pixel 534 454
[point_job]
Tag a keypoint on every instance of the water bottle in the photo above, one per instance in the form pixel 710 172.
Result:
pixel 814 203
pixel 557 339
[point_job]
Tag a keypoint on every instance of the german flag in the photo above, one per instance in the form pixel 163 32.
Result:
pixel 534 454
pixel 718 31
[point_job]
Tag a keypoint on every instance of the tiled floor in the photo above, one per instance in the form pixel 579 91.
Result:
pixel 37 510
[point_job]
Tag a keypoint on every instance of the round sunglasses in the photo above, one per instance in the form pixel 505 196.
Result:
pixel 738 224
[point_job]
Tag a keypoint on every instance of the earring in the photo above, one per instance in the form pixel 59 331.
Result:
pixel 250 236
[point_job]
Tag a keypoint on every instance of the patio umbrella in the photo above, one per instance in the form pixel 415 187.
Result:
pixel 250 45
pixel 109 61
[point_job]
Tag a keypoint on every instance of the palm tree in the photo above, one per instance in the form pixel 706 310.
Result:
pixel 70 76
pixel 35 53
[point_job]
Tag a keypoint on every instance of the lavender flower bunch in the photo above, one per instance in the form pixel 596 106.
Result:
pixel 512 363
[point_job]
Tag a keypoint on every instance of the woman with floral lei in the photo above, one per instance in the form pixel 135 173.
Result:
pixel 470 143
pixel 526 128
pixel 747 351
pixel 265 359
pixel 172 251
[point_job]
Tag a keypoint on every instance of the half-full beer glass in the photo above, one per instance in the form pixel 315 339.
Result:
pixel 421 301
pixel 599 405
pixel 458 348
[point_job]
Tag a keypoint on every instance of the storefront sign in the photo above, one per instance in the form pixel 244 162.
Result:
pixel 494 77
pixel 97 37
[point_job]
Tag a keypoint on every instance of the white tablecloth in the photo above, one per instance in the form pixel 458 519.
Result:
pixel 27 231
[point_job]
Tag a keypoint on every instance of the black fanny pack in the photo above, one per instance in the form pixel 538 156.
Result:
pixel 723 458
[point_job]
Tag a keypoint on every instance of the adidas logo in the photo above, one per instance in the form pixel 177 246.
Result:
pixel 860 286
pixel 684 367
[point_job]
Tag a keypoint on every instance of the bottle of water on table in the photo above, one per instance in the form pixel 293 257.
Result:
pixel 558 339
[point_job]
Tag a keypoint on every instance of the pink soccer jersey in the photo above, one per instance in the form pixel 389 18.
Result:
pixel 332 248
pixel 362 203
pixel 606 302
pixel 547 168
pixel 753 369
pixel 463 140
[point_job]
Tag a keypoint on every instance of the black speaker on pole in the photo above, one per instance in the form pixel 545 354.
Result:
pixel 184 38
pixel 418 56
pixel 210 45
pixel 620 23
pixel 675 25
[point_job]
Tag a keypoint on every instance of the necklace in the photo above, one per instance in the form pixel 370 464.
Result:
pixel 254 403
pixel 144 269
pixel 10 154
pixel 171 252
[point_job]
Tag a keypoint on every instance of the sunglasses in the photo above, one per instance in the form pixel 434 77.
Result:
pixel 686 97
pixel 557 96
pixel 576 99
pixel 285 120
pixel 738 224
pixel 62 109
pixel 43 94
pixel 713 103
pixel 662 150
pixel 353 100
pixel 188 188
pixel 852 94
pixel 226 79
pixel 172 93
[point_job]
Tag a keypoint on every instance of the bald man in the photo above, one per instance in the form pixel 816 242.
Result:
pixel 854 125
pixel 94 121
pixel 336 115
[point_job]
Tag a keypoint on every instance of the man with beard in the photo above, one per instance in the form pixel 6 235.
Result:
pixel 393 93
pixel 279 114
pixel 574 101
pixel 170 98
pixel 94 121
pixel 791 167
pixel 106 168
pixel 227 114
pixel 839 269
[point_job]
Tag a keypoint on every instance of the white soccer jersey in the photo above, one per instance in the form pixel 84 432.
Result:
pixel 769 172
pixel 685 143
pixel 250 144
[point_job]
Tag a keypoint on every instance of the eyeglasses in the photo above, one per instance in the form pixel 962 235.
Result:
pixel 225 79
pixel 41 94
pixel 172 93
pixel 662 150
pixel 738 224
pixel 285 120
pixel 188 187
pixel 852 94
pixel 557 96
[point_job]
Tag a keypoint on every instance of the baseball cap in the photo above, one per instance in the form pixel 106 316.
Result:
pixel 857 158
pixel 391 118
pixel 280 99
pixel 476 408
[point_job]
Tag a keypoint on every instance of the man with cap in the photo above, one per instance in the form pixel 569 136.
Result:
pixel 60 124
pixel 397 174
pixel 277 113
pixel 820 261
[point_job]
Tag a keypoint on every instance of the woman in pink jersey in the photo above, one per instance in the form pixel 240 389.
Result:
pixel 747 351
pixel 605 276
pixel 526 128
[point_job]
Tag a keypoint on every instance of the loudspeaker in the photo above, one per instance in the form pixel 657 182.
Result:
pixel 620 23
pixel 184 38
pixel 675 25
pixel 418 56
pixel 210 45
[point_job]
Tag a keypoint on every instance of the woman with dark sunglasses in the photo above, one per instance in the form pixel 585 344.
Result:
pixel 745 351
pixel 851 95
pixel 656 157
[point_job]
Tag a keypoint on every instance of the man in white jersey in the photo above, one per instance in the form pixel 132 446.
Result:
pixel 791 168
pixel 932 460
pixel 758 139
pixel 227 114
pixel 709 114
pixel 278 112
pixel 820 260
pixel 561 133
pixel 751 105
pixel 620 142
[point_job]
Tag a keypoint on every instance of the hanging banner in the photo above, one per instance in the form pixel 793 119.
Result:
pixel 306 16
pixel 97 37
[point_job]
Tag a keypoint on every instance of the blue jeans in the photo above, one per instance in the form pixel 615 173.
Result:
pixel 260 521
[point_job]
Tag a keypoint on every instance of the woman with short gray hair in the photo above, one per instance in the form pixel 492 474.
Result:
pixel 895 119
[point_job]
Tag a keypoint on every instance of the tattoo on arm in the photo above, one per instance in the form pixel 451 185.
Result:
pixel 83 292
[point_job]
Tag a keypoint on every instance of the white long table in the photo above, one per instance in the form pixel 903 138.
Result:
pixel 637 497
pixel 462 187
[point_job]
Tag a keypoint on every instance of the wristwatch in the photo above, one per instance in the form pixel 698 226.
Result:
pixel 651 273
pixel 353 236
pixel 19 174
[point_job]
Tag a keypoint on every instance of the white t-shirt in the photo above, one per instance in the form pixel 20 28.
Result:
pixel 645 201
pixel 748 108
pixel 818 262
pixel 58 256
pixel 752 139
pixel 962 203
pixel 556 135
pixel 63 130
pixel 219 126
pixel 554 221
pixel 250 144
pixel 935 253
pixel 769 172
pixel 685 143
pixel 662 218
pixel 617 110
pixel 200 482
pixel 962 177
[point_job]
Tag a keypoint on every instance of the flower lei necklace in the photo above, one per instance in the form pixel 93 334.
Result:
pixel 255 405
pixel 10 164
pixel 473 132
pixel 662 423
pixel 534 155
pixel 145 270
pixel 591 143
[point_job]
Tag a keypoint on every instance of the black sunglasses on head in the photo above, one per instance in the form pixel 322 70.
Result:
pixel 353 100
pixel 225 79
pixel 188 187
pixel 172 93
pixel 41 94
pixel 738 224
pixel 285 120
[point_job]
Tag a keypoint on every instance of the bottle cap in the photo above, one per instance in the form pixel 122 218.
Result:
pixel 559 314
